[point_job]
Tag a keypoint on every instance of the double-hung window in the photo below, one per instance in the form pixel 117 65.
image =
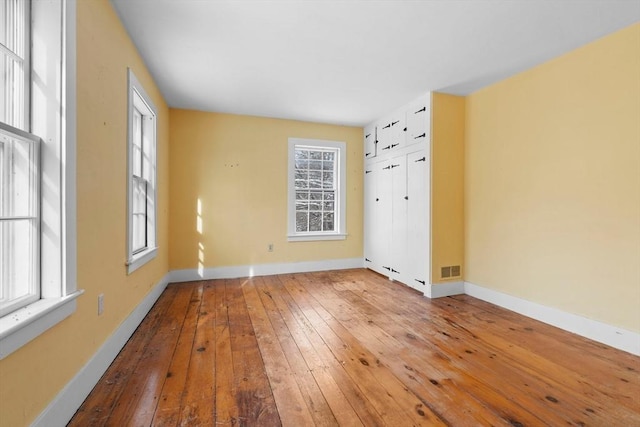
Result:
pixel 37 168
pixel 19 165
pixel 316 190
pixel 141 245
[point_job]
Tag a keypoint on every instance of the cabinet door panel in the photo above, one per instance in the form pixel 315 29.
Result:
pixel 399 229
pixel 384 137
pixel 384 218
pixel 419 239
pixel 397 132
pixel 370 213
pixel 418 118
pixel 380 235
pixel 370 142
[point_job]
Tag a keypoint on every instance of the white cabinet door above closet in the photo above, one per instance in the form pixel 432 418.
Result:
pixel 369 142
pixel 418 117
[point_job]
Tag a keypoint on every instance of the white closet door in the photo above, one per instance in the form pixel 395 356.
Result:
pixel 384 218
pixel 370 213
pixel 399 218
pixel 419 239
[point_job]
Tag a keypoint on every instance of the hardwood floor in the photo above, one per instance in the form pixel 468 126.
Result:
pixel 351 348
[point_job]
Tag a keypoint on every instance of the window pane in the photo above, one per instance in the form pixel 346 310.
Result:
pixel 18 176
pixel 315 165
pixel 302 205
pixel 315 155
pixel 302 195
pixel 139 213
pixel 14 36
pixel 315 195
pixel 301 154
pixel 328 155
pixel 302 221
pixel 328 195
pixel 328 166
pixel 328 223
pixel 18 261
pixel 12 91
pixel 329 206
pixel 315 179
pixel 137 144
pixel 302 164
pixel 327 179
pixel 315 221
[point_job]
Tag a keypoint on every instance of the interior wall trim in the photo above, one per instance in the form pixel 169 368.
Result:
pixel 190 275
pixel 445 289
pixel 613 336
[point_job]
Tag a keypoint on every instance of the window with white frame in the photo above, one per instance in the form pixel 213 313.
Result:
pixel 316 195
pixel 142 177
pixel 37 145
pixel 19 165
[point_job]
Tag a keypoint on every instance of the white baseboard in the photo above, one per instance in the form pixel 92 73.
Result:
pixel 446 289
pixel 610 335
pixel 67 402
pixel 191 275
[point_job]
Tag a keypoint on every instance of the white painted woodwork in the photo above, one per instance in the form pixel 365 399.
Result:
pixel 370 142
pixel 396 206
pixel 418 174
pixel 399 225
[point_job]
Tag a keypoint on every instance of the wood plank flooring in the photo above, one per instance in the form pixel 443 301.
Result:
pixel 351 348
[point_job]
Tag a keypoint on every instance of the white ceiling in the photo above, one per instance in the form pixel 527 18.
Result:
pixel 350 61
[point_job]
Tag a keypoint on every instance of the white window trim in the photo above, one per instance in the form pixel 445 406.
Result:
pixel 137 260
pixel 341 210
pixel 58 292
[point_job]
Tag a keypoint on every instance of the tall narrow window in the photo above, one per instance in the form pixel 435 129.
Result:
pixel 37 168
pixel 316 189
pixel 19 166
pixel 142 177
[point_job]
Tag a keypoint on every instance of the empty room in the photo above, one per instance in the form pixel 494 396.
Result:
pixel 319 212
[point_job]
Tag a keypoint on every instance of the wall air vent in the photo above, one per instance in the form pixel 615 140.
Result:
pixel 445 272
pixel 455 270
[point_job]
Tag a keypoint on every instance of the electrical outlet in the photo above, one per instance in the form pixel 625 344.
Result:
pixel 270 247
pixel 100 304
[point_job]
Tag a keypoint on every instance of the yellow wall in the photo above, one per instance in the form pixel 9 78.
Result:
pixel 447 184
pixel 236 168
pixel 552 183
pixel 32 376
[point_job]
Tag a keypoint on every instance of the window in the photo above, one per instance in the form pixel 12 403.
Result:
pixel 316 208
pixel 142 177
pixel 37 164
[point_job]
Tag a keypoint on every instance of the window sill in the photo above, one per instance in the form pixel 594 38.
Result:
pixel 25 324
pixel 140 259
pixel 314 237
